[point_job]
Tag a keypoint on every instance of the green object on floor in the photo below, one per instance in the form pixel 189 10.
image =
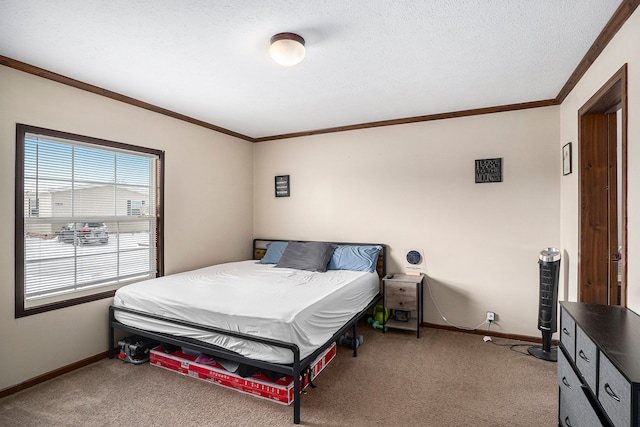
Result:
pixel 380 314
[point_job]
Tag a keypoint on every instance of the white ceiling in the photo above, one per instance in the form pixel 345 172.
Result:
pixel 366 60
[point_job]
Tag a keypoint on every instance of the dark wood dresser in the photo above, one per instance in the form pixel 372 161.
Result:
pixel 598 366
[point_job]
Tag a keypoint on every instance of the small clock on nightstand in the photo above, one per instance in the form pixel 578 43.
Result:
pixel 402 296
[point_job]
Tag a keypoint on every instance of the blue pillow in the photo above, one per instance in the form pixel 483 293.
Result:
pixel 357 258
pixel 274 252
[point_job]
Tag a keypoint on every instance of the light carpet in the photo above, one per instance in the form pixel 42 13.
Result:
pixel 444 378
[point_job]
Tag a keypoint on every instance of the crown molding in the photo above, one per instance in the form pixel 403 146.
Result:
pixel 416 119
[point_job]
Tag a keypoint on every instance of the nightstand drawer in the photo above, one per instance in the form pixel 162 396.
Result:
pixel 400 295
pixel 401 302
pixel 400 289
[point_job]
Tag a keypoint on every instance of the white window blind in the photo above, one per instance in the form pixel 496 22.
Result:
pixel 81 231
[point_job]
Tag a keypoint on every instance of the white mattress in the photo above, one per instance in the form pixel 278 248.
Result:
pixel 301 307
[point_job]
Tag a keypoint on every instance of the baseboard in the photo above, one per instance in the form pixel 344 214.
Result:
pixel 52 374
pixel 492 333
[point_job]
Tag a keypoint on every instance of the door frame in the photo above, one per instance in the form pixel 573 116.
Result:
pixel 611 97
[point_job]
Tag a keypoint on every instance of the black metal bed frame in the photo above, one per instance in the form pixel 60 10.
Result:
pixel 295 369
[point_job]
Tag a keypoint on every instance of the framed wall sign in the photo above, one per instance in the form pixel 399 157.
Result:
pixel 282 186
pixel 566 159
pixel 488 170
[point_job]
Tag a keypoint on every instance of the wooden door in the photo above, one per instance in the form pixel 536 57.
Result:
pixel 594 229
pixel 599 281
pixel 612 210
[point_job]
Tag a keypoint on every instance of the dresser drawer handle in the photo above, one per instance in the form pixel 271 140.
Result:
pixel 401 289
pixel 610 392
pixel 567 422
pixel 565 382
pixel 565 331
pixel 583 356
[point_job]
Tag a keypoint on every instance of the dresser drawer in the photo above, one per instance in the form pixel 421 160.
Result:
pixel 566 417
pixel 568 383
pixel 586 358
pixel 568 333
pixel 614 393
pixel 575 409
pixel 577 416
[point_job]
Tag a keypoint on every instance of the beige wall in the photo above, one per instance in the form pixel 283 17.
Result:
pixel 622 49
pixel 208 215
pixel 413 186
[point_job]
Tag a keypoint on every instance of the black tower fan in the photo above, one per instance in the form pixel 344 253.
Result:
pixel 549 262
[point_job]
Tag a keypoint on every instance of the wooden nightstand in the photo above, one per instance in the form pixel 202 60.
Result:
pixel 402 295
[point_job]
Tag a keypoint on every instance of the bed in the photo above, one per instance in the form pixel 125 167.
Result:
pixel 273 313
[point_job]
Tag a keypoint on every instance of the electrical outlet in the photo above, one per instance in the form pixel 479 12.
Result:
pixel 491 316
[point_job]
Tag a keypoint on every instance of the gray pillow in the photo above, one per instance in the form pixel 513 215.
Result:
pixel 310 256
pixel 274 252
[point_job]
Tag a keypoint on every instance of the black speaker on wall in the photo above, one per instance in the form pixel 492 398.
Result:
pixel 549 263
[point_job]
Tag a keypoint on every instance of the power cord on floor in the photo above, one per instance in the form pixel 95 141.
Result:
pixel 513 347
pixel 465 328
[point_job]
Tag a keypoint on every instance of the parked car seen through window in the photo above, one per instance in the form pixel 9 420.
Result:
pixel 83 233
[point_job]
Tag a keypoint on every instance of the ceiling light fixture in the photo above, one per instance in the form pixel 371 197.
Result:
pixel 287 49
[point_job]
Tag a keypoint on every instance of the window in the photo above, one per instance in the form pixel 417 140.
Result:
pixel 88 218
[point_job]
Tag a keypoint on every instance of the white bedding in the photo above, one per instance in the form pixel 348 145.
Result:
pixel 301 307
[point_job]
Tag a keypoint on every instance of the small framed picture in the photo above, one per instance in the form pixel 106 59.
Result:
pixel 566 159
pixel 282 186
pixel 488 170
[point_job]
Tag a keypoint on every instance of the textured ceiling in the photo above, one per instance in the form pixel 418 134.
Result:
pixel 366 60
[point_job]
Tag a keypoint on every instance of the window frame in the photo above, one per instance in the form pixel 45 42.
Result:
pixel 19 269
